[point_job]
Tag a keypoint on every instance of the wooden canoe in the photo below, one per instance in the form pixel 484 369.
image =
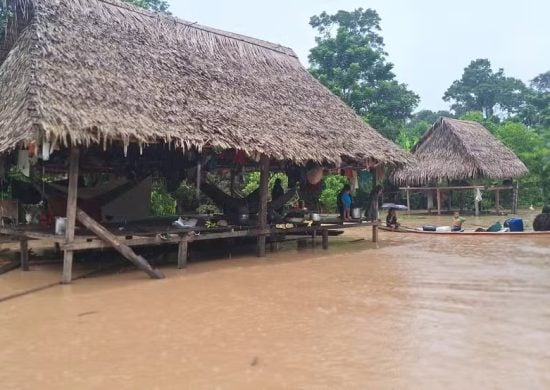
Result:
pixel 466 232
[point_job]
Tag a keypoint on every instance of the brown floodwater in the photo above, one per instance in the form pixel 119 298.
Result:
pixel 416 312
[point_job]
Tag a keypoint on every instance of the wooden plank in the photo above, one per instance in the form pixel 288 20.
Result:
pixel 71 213
pixel 173 239
pixel 408 202
pixel 183 249
pixel 457 188
pixel 264 192
pixel 24 255
pixel 113 240
pixel 497 202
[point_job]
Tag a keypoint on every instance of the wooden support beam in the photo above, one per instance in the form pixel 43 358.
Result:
pixel 497 202
pixel 113 240
pixel 375 232
pixel 72 195
pixel 325 239
pixel 24 255
pixel 183 253
pixel 438 201
pixel 262 213
pixel 408 202
pixel 476 204
pixel 515 195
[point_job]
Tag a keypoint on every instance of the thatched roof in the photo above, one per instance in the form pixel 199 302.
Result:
pixel 458 150
pixel 90 71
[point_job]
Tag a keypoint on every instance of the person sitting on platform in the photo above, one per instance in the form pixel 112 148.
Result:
pixel 276 193
pixel 457 222
pixel 344 200
pixel 542 221
pixel 391 220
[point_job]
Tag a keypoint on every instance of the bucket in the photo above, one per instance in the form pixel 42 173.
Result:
pixel 60 225
pixel 356 213
pixel 514 224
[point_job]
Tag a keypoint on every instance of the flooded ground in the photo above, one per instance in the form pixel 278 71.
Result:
pixel 417 312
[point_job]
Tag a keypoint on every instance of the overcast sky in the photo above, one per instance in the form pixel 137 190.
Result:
pixel 429 41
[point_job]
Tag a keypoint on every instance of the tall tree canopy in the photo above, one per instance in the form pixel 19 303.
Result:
pixel 350 60
pixel 154 5
pixel 481 89
pixel 536 112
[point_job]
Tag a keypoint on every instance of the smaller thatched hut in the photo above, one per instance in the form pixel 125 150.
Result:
pixel 454 151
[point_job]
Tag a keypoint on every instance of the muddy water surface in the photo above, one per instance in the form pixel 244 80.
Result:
pixel 417 312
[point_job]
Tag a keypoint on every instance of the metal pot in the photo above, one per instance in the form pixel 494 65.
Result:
pixel 315 217
pixel 356 213
pixel 243 219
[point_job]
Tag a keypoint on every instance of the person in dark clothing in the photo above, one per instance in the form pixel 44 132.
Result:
pixel 276 193
pixel 340 201
pixel 542 221
pixel 391 219
pixel 372 212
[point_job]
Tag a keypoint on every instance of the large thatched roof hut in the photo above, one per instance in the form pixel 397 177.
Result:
pixel 457 150
pixel 92 71
pixel 82 80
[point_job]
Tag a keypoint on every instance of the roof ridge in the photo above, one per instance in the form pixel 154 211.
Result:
pixel 227 34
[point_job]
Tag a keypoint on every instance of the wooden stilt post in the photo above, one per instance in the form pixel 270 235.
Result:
pixel 71 214
pixel 476 203
pixel 408 202
pixel 262 213
pixel 438 201
pixel 199 178
pixel 497 201
pixel 24 255
pixel 112 240
pixel 325 239
pixel 375 232
pixel 183 249
pixel 430 196
pixel 515 194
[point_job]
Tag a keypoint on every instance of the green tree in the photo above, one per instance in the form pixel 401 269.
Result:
pixel 350 60
pixel 4 13
pixel 536 112
pixel 153 5
pixel 481 89
pixel 530 147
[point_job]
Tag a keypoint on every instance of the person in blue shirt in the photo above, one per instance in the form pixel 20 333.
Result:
pixel 345 199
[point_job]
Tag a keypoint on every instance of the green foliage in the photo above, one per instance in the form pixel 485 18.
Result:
pixel 531 148
pixel 490 124
pixel 333 185
pixel 208 209
pixel 153 5
pixel 4 14
pixel 186 197
pixel 481 89
pixel 252 181
pixel 536 112
pixel 349 59
pixel 162 203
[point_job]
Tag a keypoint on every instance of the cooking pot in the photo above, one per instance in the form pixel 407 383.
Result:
pixel 243 219
pixel 315 217
pixel 356 213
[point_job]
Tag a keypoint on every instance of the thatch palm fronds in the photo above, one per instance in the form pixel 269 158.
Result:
pixel 94 71
pixel 459 150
